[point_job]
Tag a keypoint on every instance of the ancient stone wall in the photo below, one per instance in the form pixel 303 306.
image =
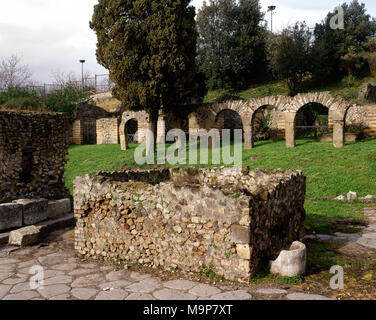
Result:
pixel 370 120
pixel 75 133
pixel 342 116
pixel 190 218
pixel 106 101
pixel 143 123
pixel 107 131
pixel 33 149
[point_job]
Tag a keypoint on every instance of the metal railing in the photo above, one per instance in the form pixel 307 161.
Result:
pixel 98 84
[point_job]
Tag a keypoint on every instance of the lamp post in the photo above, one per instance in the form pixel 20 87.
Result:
pixel 82 62
pixel 271 9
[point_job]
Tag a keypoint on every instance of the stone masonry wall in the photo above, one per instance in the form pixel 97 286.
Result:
pixel 33 149
pixel 188 218
pixel 107 131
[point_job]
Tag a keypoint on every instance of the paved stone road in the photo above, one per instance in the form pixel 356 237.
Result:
pixel 67 277
pixel 367 238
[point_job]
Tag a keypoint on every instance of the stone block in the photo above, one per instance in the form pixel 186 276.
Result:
pixel 244 251
pixel 34 211
pixel 291 263
pixel 351 137
pixel 10 216
pixel 352 196
pixel 341 198
pixel 369 198
pixel 326 138
pixel 58 208
pixel 240 234
pixel 24 237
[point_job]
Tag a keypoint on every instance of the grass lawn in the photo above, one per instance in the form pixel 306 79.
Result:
pixel 348 89
pixel 330 172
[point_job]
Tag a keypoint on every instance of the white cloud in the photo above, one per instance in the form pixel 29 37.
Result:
pixel 51 35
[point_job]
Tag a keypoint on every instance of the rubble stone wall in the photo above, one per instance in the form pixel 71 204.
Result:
pixel 224 219
pixel 107 131
pixel 33 149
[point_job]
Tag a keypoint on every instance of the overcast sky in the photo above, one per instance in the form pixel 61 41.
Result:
pixel 53 35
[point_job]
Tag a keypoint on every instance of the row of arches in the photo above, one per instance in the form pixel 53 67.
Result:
pixel 247 115
pixel 289 109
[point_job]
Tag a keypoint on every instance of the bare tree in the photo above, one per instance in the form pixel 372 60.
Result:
pixel 64 79
pixel 13 72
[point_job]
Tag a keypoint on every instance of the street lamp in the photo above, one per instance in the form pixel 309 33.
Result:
pixel 271 9
pixel 82 62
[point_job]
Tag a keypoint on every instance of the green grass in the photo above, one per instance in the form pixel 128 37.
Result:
pixel 264 275
pixel 330 172
pixel 348 88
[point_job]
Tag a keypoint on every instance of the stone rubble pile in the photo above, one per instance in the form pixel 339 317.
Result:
pixel 353 196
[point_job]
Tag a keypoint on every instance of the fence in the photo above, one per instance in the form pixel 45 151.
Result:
pixel 97 84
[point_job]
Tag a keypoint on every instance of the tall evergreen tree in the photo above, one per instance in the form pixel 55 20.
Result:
pixel 149 48
pixel 290 52
pixel 231 45
pixel 331 45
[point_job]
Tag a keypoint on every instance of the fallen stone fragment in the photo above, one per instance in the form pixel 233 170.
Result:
pixel 352 196
pixel 291 263
pixel 24 237
pixel 341 198
pixel 369 198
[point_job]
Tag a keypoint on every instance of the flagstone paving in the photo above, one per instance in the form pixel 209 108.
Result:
pixel 68 277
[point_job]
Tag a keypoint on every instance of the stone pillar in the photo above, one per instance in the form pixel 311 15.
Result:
pixel 123 136
pixel 338 133
pixel 248 138
pixel 214 139
pixel 149 139
pixel 193 127
pixel 290 129
pixel 76 133
pixel 161 129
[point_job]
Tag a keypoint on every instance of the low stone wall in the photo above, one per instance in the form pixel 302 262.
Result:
pixel 27 212
pixel 228 219
pixel 33 149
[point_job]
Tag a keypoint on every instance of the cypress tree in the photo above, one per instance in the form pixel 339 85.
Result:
pixel 149 48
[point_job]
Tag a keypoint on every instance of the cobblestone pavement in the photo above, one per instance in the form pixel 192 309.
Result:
pixel 68 277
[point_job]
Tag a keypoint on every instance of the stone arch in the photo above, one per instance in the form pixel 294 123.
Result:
pixel 205 116
pixel 337 110
pixel 280 103
pixel 142 119
pixel 228 119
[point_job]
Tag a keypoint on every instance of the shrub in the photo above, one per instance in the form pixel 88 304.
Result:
pixel 23 103
pixel 370 57
pixel 20 99
pixel 66 100
pixel 355 64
